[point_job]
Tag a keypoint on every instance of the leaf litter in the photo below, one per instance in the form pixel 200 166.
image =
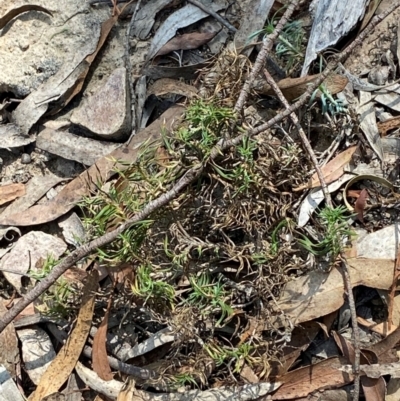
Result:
pixel 225 290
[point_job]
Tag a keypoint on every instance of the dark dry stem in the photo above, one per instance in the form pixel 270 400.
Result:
pixel 262 56
pixel 215 15
pixel 302 135
pixel 356 333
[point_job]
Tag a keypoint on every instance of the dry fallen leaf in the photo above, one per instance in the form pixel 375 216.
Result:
pixel 360 204
pixel 303 381
pixel 10 192
pixel 318 294
pixel 331 171
pixel 99 356
pixel 293 88
pixel 61 367
pixel 164 86
pixel 186 41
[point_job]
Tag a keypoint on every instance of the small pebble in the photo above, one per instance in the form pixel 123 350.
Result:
pixel 25 158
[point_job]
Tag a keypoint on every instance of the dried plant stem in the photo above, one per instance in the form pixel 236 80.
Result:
pixel 303 136
pixel 215 15
pixel 262 55
pixel 356 332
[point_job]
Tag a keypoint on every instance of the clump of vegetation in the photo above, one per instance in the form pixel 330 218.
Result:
pixel 58 301
pixel 213 259
pixel 335 231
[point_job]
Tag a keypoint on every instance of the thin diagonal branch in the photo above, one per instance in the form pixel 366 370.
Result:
pixel 303 136
pixel 262 55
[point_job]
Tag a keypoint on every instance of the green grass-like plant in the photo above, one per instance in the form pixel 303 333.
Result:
pixel 290 45
pixel 335 230
pixel 57 300
pixel 210 297
pixel 146 287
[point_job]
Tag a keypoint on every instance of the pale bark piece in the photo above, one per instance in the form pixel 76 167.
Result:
pixel 36 45
pixel 187 41
pixel 118 391
pixel 368 123
pixel 61 367
pixel 11 137
pixel 158 339
pixel 376 370
pixel 107 112
pixel 73 147
pixel 315 197
pixel 102 170
pixel 332 21
pixel 72 228
pixel 9 355
pixel 319 293
pixel 181 18
pixel 29 249
pixel 145 18
pixel 391 99
pixel 381 244
pixel 166 85
pixel 37 352
pixel 255 13
pixel 8 388
pixel 35 189
pixel 11 192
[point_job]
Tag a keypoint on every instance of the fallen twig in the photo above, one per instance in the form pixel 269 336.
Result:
pixel 262 55
pixel 302 135
pixel 211 12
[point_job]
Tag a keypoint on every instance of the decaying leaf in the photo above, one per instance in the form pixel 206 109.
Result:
pixel 360 204
pixel 9 355
pixel 331 171
pixel 65 361
pixel 303 381
pixel 368 124
pixel 318 294
pixel 385 126
pixel 181 18
pixel 11 192
pixel 99 357
pixel 166 85
pixel 186 41
pixel 19 10
pixel 73 192
pixel 293 88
